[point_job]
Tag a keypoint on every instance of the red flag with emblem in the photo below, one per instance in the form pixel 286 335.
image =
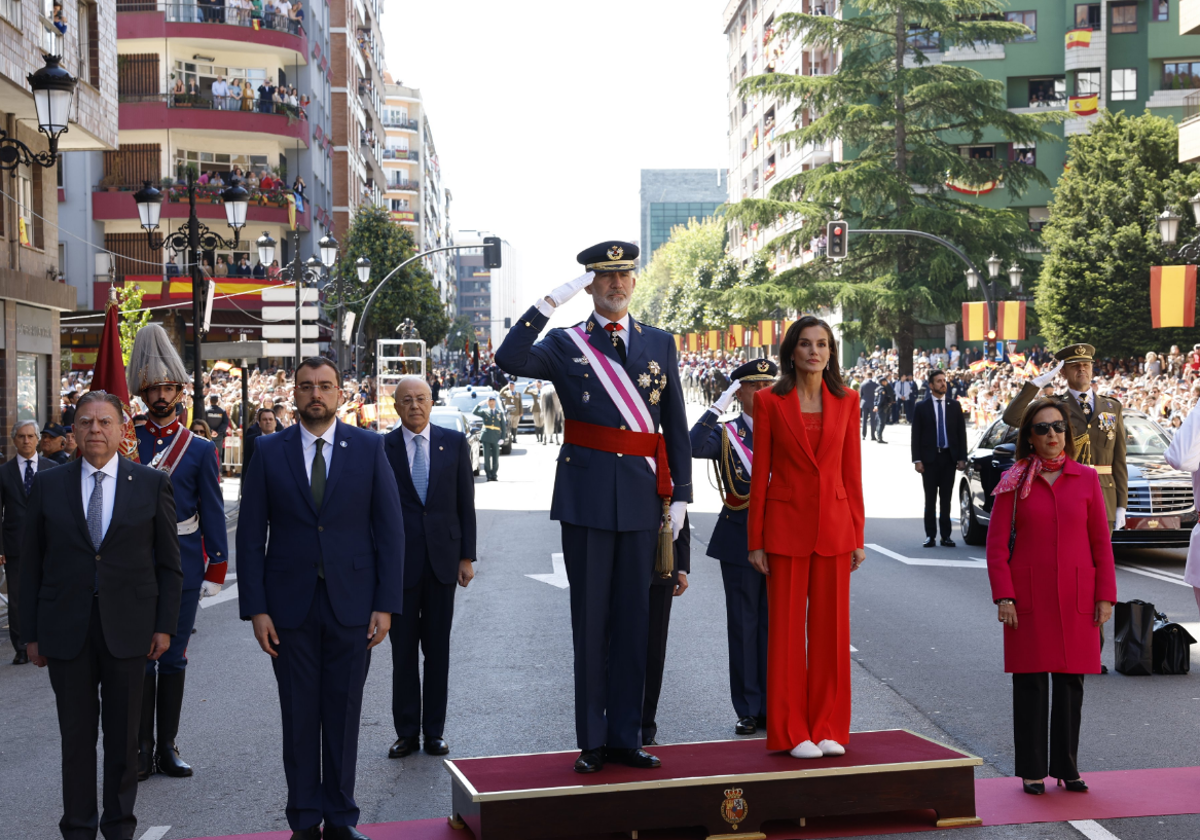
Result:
pixel 109 375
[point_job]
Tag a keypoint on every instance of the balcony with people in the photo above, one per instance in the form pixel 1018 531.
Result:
pixel 265 23
pixel 202 103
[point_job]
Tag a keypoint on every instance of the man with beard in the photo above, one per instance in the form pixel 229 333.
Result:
pixel 156 374
pixel 265 424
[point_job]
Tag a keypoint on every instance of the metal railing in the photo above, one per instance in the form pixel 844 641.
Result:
pixel 393 122
pixel 1191 105
pixel 206 101
pixel 402 184
pixel 217 13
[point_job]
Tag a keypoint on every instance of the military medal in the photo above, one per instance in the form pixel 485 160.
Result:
pixel 586 396
pixel 655 370
pixel 654 396
pixel 644 380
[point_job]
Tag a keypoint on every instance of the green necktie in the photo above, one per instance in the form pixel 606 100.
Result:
pixel 317 482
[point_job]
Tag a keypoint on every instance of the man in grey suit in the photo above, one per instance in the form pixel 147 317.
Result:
pixel 100 591
pixel 16 483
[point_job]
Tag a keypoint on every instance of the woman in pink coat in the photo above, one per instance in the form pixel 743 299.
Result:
pixel 1057 587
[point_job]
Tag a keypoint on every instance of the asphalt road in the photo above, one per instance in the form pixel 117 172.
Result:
pixel 928 658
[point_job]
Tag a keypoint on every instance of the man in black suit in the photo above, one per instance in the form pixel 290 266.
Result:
pixel 100 592
pixel 437 494
pixel 866 404
pixel 264 424
pixel 663 591
pixel 939 447
pixel 16 483
pixel 885 395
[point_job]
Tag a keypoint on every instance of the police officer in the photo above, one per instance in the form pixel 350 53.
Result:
pixel 619 485
pixel 156 374
pixel 731 446
pixel 218 420
pixel 494 429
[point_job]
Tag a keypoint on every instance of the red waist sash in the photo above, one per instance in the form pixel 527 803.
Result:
pixel 623 442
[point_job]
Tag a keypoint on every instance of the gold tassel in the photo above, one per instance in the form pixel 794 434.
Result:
pixel 664 564
pixel 1083 449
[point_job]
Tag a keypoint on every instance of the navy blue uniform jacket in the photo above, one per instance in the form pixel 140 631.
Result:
pixel 728 542
pixel 359 531
pixel 442 530
pixel 595 489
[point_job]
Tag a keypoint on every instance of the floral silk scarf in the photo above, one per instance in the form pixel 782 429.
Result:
pixel 1022 473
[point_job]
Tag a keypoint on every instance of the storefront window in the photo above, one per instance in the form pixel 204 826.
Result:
pixel 27 387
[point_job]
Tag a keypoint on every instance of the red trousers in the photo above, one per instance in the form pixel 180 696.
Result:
pixel 808 650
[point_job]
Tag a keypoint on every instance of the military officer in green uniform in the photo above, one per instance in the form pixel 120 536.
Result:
pixel 495 427
pixel 1097 424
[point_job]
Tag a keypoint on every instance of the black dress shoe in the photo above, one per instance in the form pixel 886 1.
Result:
pixel 404 747
pixel 1034 788
pixel 947 542
pixel 343 832
pixel 436 746
pixel 589 761
pixel 760 721
pixel 1077 786
pixel 169 763
pixel 312 833
pixel 746 726
pixel 631 757
pixel 929 543
pixel 22 658
pixel 649 742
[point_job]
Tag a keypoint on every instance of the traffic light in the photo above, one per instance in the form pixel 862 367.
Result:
pixel 836 237
pixel 508 323
pixel 491 251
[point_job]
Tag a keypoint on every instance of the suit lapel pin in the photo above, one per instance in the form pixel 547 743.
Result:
pixel 586 396
pixel 440 448
pixel 129 478
pixel 343 444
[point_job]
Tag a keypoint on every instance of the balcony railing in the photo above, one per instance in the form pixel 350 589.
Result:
pixel 215 13
pixel 403 184
pixel 1191 105
pixel 206 101
pixel 395 122
pixel 205 193
pixel 400 154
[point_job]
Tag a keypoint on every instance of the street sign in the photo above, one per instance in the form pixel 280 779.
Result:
pixel 289 349
pixel 288 295
pixel 288 313
pixel 213 350
pixel 286 331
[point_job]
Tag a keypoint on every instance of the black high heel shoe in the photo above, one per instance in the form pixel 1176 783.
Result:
pixel 1077 786
pixel 1035 788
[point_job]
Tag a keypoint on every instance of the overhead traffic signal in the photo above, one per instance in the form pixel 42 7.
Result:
pixel 491 251
pixel 836 239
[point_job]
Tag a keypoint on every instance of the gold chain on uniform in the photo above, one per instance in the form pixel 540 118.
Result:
pixel 727 463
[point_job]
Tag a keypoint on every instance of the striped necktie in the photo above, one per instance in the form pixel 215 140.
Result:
pixel 420 468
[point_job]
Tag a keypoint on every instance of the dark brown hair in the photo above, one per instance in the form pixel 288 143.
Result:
pixel 315 362
pixel 832 374
pixel 1025 445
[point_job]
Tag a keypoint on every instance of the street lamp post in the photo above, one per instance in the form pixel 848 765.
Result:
pixel 1168 228
pixel 193 238
pixel 53 92
pixel 993 293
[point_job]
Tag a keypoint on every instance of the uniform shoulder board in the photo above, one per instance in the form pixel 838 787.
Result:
pixel 1114 401
pixel 651 327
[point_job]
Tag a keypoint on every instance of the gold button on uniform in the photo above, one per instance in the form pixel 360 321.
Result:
pixel 568 459
pixel 320 527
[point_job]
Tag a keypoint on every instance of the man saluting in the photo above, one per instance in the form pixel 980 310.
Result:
pixel 625 453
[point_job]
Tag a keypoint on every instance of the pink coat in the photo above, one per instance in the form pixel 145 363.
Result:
pixel 1062 565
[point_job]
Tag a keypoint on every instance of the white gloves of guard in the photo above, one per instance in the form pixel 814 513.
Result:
pixel 568 290
pixel 678 512
pixel 209 589
pixel 1046 377
pixel 1120 523
pixel 726 399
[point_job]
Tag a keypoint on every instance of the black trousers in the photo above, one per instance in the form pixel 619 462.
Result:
pixel 878 422
pixel 938 479
pixel 118 706
pixel 661 596
pixel 12 573
pixel 1031 700
pixel 746 618
pixel 425 623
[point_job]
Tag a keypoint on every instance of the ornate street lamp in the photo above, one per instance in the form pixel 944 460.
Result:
pixel 329 250
pixel 1168 226
pixel 1014 275
pixel 972 279
pixel 266 249
pixel 363 266
pixel 994 263
pixel 53 92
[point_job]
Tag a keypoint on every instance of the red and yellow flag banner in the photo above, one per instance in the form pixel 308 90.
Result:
pixel 980 366
pixel 1173 296
pixel 1079 38
pixel 1083 106
pixel 975 321
pixel 737 335
pixel 766 332
pixel 1017 360
pixel 693 342
pixel 714 340
pixel 1010 320
pixel 678 343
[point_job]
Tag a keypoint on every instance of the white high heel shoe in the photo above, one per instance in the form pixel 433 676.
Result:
pixel 828 747
pixel 807 749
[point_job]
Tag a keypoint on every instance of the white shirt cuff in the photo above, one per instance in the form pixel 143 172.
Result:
pixel 545 307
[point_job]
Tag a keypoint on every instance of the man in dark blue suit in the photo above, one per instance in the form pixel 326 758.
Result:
pixel 939 447
pixel 731 446
pixel 866 398
pixel 618 382
pixel 320 547
pixel 433 473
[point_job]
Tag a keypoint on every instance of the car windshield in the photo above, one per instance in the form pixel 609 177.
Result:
pixel 465 402
pixel 1143 439
pixel 446 420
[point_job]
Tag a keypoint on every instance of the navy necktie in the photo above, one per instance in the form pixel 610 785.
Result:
pixel 941 427
pixel 28 477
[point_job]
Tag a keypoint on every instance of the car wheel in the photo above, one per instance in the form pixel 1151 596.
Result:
pixel 972 532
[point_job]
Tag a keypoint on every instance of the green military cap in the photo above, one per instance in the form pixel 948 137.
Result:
pixel 1076 353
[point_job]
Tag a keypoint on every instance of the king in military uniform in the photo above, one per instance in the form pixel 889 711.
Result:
pixel 731 447
pixel 624 477
pixel 1097 424
pixel 156 374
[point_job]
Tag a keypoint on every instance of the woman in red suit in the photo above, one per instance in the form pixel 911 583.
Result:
pixel 1054 586
pixel 806 534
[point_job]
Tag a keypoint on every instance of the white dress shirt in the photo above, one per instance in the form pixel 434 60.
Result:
pixel 1081 395
pixel 21 462
pixel 108 486
pixel 309 443
pixel 411 448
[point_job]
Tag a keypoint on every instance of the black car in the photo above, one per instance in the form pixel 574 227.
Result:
pixel 1161 510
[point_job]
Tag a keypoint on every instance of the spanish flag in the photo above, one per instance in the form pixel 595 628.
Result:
pixel 1017 360
pixel 980 366
pixel 766 332
pixel 1079 38
pixel 22 231
pixel 737 335
pixel 678 343
pixel 1173 296
pixel 714 339
pixel 257 24
pixel 291 208
pixel 1031 370
pixel 1010 320
pixel 976 322
pixel 787 325
pixel 1082 106
pixel 693 342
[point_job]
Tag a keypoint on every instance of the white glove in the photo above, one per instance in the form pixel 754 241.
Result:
pixel 1046 377
pixel 568 290
pixel 1120 523
pixel 678 512
pixel 209 589
pixel 723 402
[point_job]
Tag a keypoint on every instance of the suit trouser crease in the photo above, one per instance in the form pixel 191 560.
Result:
pixel 423 628
pixel 661 598
pixel 12 573
pixel 117 707
pixel 938 481
pixel 746 614
pixel 609 574
pixel 321 670
pixel 808 650
pixel 1037 714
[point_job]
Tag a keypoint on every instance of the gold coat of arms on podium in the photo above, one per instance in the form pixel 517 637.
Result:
pixel 734 808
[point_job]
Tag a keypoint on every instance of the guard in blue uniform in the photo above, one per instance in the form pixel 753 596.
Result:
pixel 625 435
pixel 730 445
pixel 156 374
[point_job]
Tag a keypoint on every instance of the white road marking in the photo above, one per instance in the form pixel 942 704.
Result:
pixel 1157 575
pixel 853 649
pixel 559 577
pixel 226 594
pixel 156 832
pixel 1092 830
pixel 973 563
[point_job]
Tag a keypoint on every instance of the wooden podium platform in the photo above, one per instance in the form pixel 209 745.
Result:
pixel 727 788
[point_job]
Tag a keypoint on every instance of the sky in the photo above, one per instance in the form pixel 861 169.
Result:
pixel 544 113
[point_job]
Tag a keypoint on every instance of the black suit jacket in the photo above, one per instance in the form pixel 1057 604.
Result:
pixel 138 563
pixel 924 431
pixel 442 530
pixel 866 395
pixel 249 439
pixel 13 503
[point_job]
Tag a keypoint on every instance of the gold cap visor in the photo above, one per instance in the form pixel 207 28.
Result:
pixel 613 265
pixel 757 377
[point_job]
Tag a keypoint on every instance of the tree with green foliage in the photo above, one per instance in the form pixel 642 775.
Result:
pixel 459 333
pixel 133 317
pixel 408 294
pixel 900 119
pixel 1102 236
pixel 698 243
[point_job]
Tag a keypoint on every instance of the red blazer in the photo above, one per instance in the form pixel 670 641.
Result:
pixel 804 501
pixel 1062 565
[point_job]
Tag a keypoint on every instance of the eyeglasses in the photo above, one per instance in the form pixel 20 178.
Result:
pixel 307 388
pixel 1040 429
pixel 407 402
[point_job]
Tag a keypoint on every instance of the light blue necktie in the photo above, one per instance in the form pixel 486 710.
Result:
pixel 420 468
pixel 941 426
pixel 95 522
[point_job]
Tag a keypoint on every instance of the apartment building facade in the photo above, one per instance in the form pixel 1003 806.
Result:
pixel 358 81
pixel 673 197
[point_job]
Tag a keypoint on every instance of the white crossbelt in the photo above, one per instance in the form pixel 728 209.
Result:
pixel 190 525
